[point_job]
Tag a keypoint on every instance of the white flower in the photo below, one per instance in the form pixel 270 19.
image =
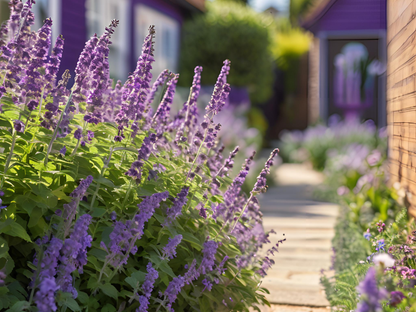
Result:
pixel 385 259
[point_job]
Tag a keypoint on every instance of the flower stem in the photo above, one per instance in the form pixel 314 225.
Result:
pixel 79 140
pixel 242 212
pixel 55 133
pixel 9 157
pixel 101 175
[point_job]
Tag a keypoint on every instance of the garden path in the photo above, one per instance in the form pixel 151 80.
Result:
pixel 289 209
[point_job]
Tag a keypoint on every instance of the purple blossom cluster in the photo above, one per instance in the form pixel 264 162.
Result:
pixel 147 287
pixel 371 294
pixel 125 234
pixel 178 203
pixel 169 251
pixel 30 67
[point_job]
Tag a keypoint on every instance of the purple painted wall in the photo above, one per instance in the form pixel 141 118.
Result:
pixel 74 30
pixel 344 15
pixel 163 6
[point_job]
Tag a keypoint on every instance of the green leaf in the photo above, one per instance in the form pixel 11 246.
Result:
pixel 16 230
pixel 19 306
pixel 72 304
pixel 98 212
pixel 108 308
pixel 35 216
pixel 109 290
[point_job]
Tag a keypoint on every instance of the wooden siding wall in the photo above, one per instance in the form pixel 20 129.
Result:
pixel 401 94
pixel 313 83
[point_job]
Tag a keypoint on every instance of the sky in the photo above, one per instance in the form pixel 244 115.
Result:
pixel 261 5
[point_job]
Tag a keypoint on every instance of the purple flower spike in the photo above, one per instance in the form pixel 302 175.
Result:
pixel 74 254
pixel 371 295
pixel 176 209
pixel 221 90
pixel 147 287
pixel 82 188
pixel 174 287
pixel 169 251
pixel 45 296
pixel 161 117
pixel 188 116
pixel 99 76
pixel 192 274
pixel 52 67
pixel 260 185
pixel 208 261
pixel 82 70
pixel 144 153
pixel 33 81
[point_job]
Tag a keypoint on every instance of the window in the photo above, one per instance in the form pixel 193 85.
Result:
pixel 48 8
pixel 99 15
pixel 166 39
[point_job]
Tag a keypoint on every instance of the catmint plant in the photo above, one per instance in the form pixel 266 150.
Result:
pixel 107 204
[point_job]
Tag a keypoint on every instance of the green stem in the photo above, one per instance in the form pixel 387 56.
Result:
pixel 242 212
pixel 127 195
pixel 55 133
pixel 101 175
pixel 9 158
pixel 32 292
pixel 79 140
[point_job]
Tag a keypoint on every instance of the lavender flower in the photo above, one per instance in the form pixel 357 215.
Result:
pixel 207 284
pixel 113 216
pixel 260 185
pixel 62 151
pixel 49 262
pixel 192 274
pixel 147 287
pixel 82 70
pixel 100 75
pixel 143 155
pixel 33 81
pixel 124 235
pixel 45 297
pixel 169 251
pixel 52 67
pixel 395 298
pixel 71 208
pixel 2 207
pixel 74 254
pixel 161 116
pixel 220 267
pixel 173 289
pixel 371 295
pixel 82 188
pixel 176 209
pixel 19 126
pixel 187 117
pixel 221 90
pixel 208 261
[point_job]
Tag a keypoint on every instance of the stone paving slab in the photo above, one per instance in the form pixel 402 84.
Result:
pixel 289 209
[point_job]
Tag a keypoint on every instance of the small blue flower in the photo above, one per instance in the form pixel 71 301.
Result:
pixel 380 245
pixel 367 235
pixel 2 207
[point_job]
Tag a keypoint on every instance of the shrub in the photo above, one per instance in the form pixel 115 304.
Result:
pixel 106 206
pixel 234 31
